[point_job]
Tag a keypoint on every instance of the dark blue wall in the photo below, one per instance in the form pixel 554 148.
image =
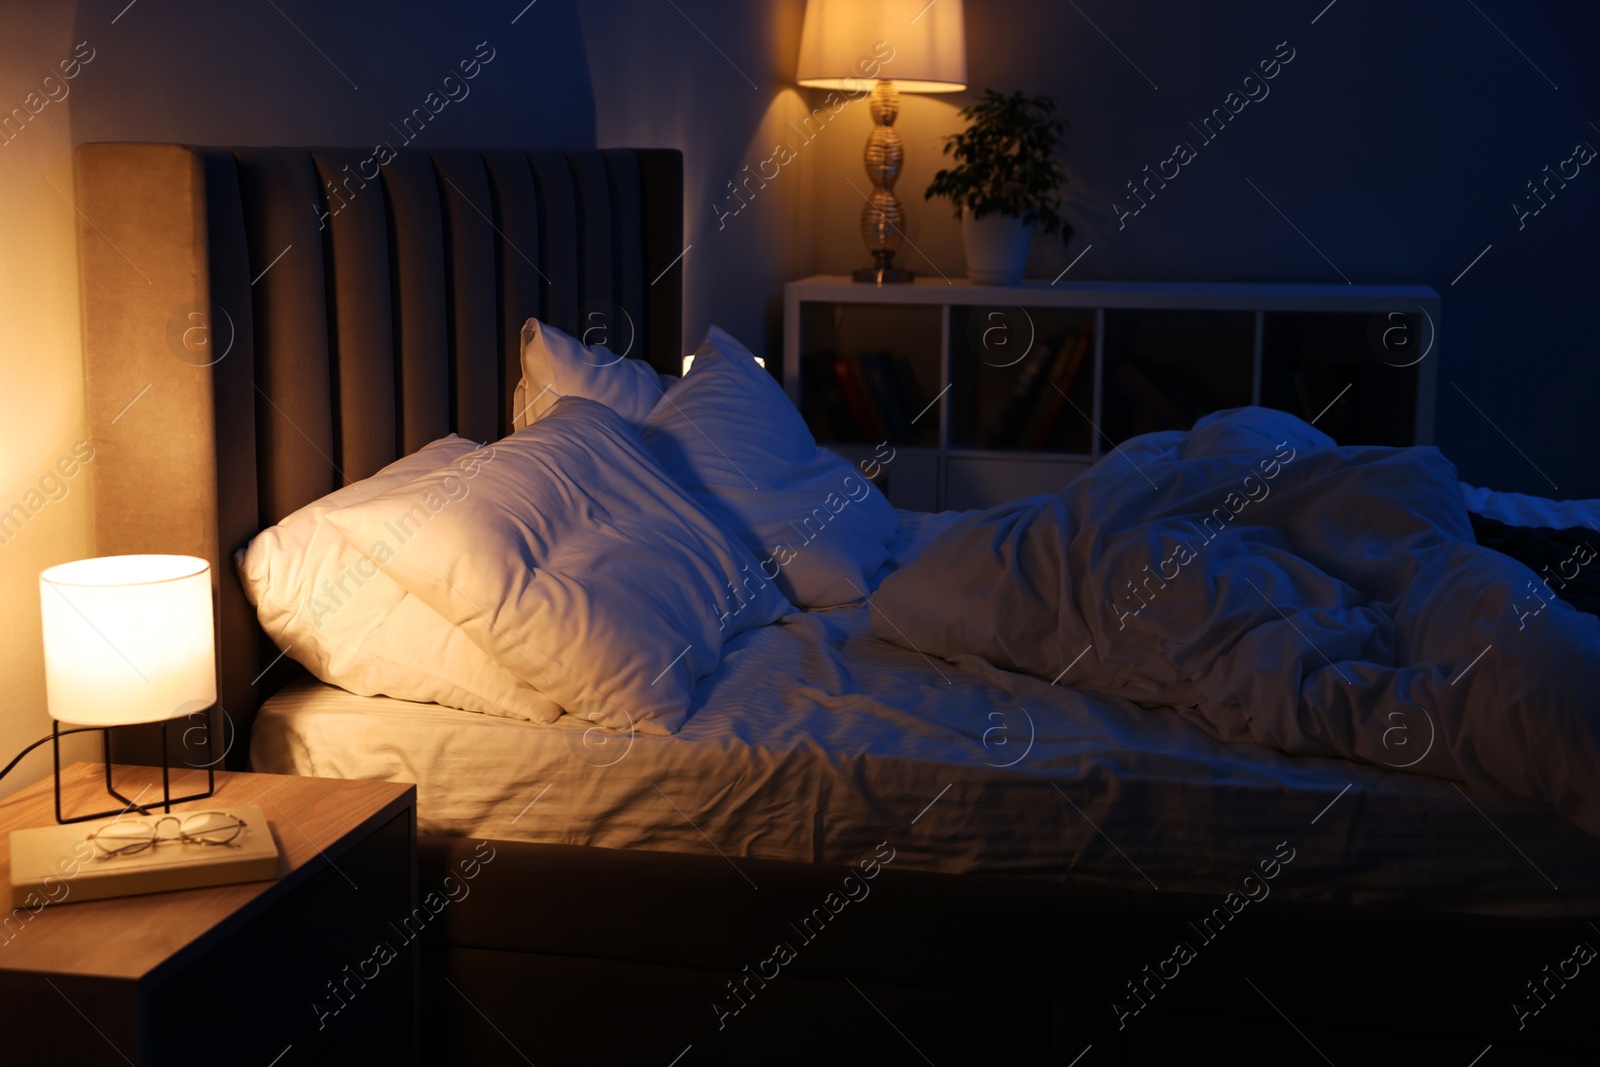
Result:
pixel 320 73
pixel 1397 140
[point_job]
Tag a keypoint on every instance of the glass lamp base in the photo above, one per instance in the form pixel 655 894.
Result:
pixel 883 275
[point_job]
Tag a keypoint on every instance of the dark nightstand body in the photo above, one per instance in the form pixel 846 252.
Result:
pixel 319 966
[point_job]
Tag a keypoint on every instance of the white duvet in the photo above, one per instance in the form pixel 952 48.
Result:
pixel 1275 588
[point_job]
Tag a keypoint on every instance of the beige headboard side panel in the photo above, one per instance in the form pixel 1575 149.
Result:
pixel 160 355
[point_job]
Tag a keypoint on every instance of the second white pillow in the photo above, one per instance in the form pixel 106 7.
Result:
pixel 728 433
pixel 555 365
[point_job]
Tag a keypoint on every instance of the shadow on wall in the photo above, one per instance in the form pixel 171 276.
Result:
pixel 716 80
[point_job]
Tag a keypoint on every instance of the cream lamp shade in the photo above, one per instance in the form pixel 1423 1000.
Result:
pixel 921 46
pixel 128 639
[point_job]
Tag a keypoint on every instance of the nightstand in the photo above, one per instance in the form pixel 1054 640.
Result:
pixel 966 396
pixel 285 972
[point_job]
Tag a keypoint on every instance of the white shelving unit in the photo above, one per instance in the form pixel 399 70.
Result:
pixel 1387 337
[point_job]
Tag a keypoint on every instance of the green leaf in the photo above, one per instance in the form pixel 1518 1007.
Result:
pixel 1006 162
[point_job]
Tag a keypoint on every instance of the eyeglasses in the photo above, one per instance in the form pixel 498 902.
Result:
pixel 125 837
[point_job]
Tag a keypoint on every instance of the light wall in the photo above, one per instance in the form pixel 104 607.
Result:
pixel 41 372
pixel 209 74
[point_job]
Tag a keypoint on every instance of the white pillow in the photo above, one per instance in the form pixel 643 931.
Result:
pixel 555 365
pixel 728 433
pixel 352 626
pixel 579 565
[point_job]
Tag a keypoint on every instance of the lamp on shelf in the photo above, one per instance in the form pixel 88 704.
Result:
pixel 846 44
pixel 128 640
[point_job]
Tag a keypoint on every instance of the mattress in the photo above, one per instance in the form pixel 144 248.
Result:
pixel 814 742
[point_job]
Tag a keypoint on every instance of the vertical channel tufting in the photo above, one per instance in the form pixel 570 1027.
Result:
pixel 361 325
pixel 294 416
pixel 558 224
pixel 593 193
pixel 230 322
pixel 470 295
pixel 522 282
pixel 416 241
pixel 627 252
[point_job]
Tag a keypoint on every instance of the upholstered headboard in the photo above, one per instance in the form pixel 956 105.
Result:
pixel 264 325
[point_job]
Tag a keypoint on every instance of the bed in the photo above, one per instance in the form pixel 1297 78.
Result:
pixel 1036 851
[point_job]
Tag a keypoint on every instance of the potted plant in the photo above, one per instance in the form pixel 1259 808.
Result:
pixel 1005 183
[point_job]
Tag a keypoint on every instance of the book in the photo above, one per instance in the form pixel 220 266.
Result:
pixel 1069 363
pixel 1026 393
pixel 883 386
pixel 1150 398
pixel 59 864
pixel 825 408
pixel 1197 396
pixel 1302 394
pixel 912 394
pixel 854 390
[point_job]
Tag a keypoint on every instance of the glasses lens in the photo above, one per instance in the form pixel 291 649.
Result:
pixel 211 827
pixel 123 836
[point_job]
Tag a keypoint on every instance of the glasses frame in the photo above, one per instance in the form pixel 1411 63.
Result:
pixel 133 848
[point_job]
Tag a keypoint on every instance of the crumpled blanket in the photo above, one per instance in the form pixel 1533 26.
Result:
pixel 1276 588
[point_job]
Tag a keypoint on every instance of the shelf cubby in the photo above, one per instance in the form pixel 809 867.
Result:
pixel 986 393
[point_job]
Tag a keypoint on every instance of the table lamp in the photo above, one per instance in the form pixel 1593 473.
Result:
pixel 847 43
pixel 128 640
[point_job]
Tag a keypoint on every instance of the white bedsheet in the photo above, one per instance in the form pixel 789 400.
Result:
pixel 814 742
pixel 1519 509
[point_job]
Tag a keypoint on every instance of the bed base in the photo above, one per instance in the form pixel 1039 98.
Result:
pixel 568 954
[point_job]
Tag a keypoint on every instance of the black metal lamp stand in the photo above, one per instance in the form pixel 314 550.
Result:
pixel 167 799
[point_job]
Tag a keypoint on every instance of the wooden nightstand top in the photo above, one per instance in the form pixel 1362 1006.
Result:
pixel 315 820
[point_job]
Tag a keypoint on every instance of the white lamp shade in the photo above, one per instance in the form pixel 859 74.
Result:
pixel 849 44
pixel 128 639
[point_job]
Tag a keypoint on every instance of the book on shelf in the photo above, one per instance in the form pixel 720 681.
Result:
pixel 1026 392
pixel 883 387
pixel 825 409
pixel 1284 388
pixel 1145 393
pixel 875 396
pixel 1168 394
pixel 912 394
pixel 856 399
pixel 1302 394
pixel 1070 360
pixel 60 864
pixel 1197 397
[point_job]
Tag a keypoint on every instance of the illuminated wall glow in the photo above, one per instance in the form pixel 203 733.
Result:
pixel 45 462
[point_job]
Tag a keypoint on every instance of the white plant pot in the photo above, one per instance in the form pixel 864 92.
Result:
pixel 997 248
